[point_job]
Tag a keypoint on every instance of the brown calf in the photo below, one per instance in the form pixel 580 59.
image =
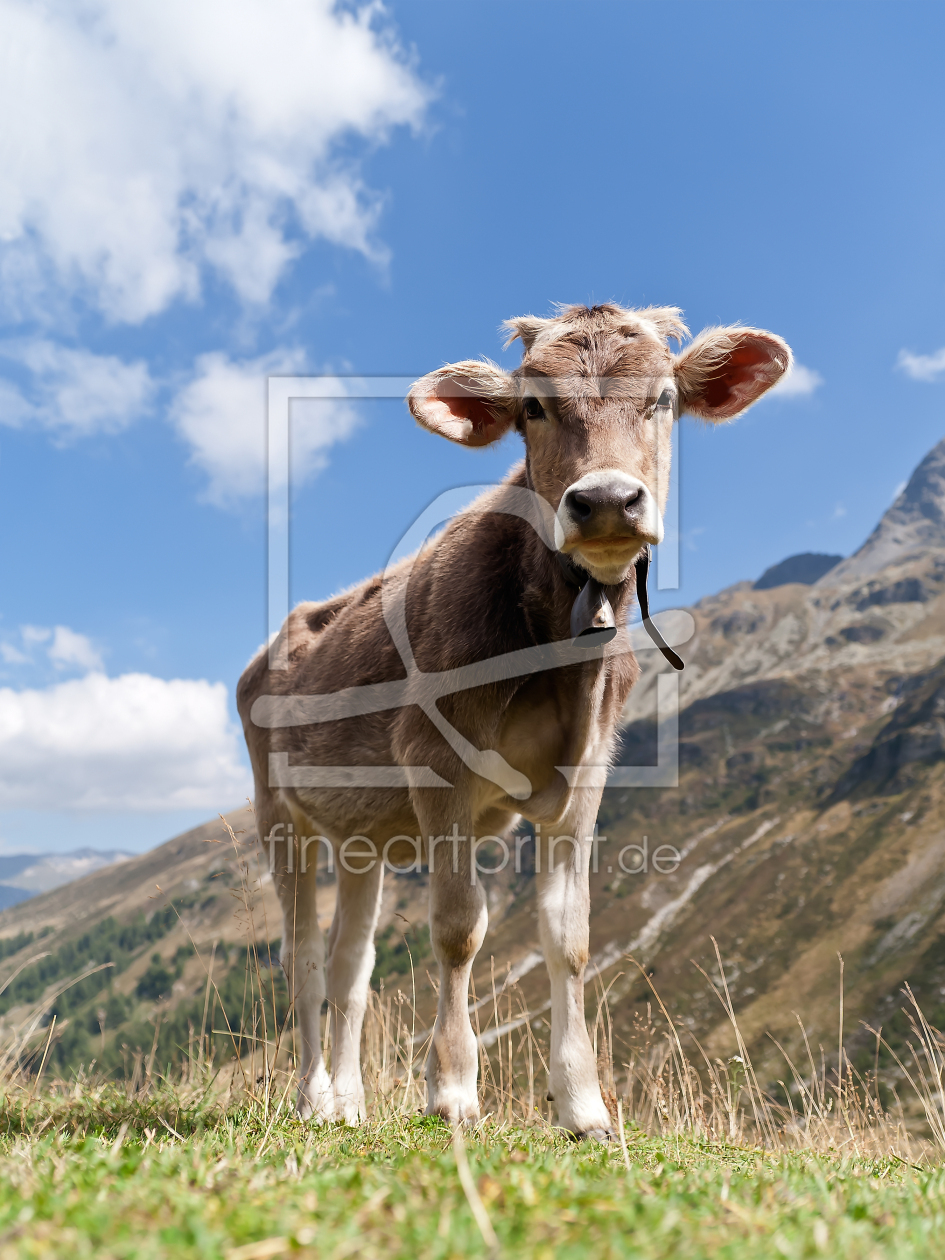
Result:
pixel 450 695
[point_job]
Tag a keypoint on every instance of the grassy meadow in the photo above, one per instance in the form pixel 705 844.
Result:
pixel 184 1143
pixel 210 1160
pixel 90 1173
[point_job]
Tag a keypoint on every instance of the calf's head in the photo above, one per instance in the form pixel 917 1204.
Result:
pixel 595 398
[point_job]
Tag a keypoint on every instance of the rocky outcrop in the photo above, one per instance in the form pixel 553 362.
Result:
pixel 914 524
pixel 914 734
pixel 805 568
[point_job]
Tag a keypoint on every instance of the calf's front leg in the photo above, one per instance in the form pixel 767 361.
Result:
pixel 302 955
pixel 350 963
pixel 458 921
pixel 563 921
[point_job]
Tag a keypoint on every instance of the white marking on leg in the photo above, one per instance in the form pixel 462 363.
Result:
pixel 350 964
pixel 303 960
pixel 458 921
pixel 563 914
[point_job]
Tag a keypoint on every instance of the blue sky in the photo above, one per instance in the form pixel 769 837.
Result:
pixel 192 196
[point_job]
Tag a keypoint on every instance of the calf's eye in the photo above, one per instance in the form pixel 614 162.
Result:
pixel 665 399
pixel 533 409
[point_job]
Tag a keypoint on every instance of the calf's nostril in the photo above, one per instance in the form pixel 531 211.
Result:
pixel 581 506
pixel 631 498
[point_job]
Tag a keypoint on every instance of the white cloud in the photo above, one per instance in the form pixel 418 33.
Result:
pixel 221 414
pixel 69 648
pixel 141 143
pixel 799 382
pixel 922 367
pixel 74 393
pixel 11 655
pixel 130 743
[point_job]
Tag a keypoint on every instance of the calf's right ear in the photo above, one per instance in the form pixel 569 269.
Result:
pixel 473 402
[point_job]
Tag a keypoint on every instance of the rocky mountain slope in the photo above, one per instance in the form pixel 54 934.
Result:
pixel 809 820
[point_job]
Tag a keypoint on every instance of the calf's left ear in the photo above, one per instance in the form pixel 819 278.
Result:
pixel 725 370
pixel 473 402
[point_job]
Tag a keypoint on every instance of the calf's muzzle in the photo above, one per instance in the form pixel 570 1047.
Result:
pixel 609 505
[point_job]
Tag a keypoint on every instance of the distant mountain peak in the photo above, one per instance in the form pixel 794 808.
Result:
pixel 916 520
pixel 24 875
pixel 806 568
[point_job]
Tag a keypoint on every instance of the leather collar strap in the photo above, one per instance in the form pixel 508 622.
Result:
pixel 592 614
pixel 642 567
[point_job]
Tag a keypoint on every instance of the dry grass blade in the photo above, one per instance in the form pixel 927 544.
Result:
pixel 623 1135
pixel 23 965
pixel 476 1205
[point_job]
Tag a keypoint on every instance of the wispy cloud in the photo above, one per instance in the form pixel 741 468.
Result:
pixel 221 415
pixel 922 367
pixel 69 648
pixel 62 647
pixel 35 634
pixel 799 382
pixel 149 143
pixel 73 393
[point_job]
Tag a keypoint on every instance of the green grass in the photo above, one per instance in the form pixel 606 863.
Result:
pixel 235 1184
pixel 186 1146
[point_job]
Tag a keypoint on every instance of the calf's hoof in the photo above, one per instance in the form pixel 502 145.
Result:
pixel 467 1117
pixel 316 1098
pixel 350 1107
pixel 595 1135
pixel 455 1109
pixel 453 1097
pixel 319 1110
